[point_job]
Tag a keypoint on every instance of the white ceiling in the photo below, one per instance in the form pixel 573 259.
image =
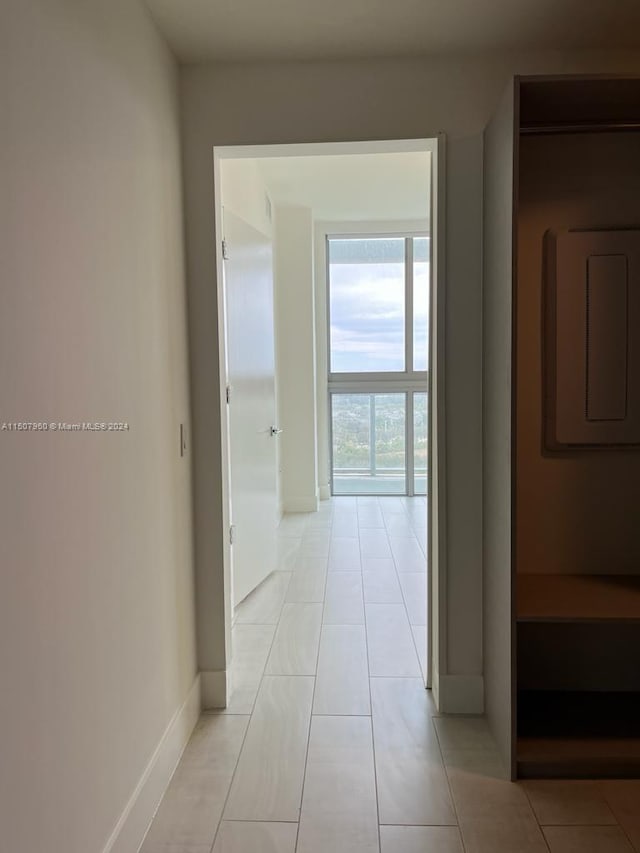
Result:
pixel 201 30
pixel 352 187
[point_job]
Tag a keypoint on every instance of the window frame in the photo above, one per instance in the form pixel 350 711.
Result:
pixel 407 381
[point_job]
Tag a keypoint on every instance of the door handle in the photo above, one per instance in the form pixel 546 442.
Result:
pixel 274 430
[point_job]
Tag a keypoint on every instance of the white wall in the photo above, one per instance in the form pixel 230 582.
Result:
pixel 245 193
pixel 323 448
pixel 348 101
pixel 497 308
pixel 97 649
pixel 296 357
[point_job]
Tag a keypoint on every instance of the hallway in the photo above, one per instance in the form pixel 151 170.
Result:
pixel 331 742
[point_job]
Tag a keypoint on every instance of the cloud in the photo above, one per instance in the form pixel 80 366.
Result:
pixel 367 316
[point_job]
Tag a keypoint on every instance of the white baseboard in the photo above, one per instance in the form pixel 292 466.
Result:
pixel 301 503
pixel 325 492
pixel 459 694
pixel 215 689
pixel 134 821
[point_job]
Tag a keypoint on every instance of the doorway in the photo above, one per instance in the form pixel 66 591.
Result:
pixel 394 405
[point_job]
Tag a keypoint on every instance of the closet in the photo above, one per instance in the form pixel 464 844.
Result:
pixel 562 426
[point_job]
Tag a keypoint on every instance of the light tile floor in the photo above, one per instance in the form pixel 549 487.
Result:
pixel 331 744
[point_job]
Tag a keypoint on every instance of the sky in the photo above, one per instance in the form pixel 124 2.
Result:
pixel 367 309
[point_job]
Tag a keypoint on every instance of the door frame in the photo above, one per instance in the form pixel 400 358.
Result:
pixel 436 476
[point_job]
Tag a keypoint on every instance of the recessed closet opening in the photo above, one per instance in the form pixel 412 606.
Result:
pixel 577 442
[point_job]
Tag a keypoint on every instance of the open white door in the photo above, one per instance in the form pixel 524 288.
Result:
pixel 248 281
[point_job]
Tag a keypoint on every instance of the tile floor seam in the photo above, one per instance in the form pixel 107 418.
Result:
pixel 264 668
pixel 346 716
pixel 450 787
pixel 576 825
pixel 224 805
pixel 373 739
pixel 404 601
pixel 256 819
pixel 634 847
pixel 313 699
pixel 420 825
pixel 535 815
pixel 233 775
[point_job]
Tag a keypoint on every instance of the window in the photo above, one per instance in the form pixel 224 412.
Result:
pixel 379 293
pixel 369 443
pixel 367 305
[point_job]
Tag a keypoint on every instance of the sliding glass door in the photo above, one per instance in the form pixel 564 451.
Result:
pixel 378 289
pixel 369 444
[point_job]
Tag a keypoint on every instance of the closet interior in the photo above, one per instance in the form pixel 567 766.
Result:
pixel 574 429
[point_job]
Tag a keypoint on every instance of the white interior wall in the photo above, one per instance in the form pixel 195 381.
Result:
pixel 296 357
pixel 354 100
pixel 97 646
pixel 374 183
pixel 244 192
pixel 497 418
pixel 436 505
pixel 323 449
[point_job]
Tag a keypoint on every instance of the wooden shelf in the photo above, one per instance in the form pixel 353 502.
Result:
pixel 578 598
pixel 586 758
